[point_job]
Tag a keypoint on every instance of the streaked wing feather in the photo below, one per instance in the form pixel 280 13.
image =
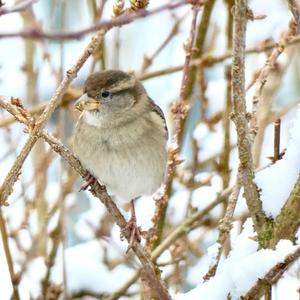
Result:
pixel 155 108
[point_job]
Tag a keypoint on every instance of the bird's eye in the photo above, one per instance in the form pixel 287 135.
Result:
pixel 105 94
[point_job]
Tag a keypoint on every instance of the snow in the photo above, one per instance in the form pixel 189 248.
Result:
pixel 277 181
pixel 30 286
pixel 85 270
pixel 177 206
pixel 241 269
pixel 204 195
pixel 89 220
pixel 212 252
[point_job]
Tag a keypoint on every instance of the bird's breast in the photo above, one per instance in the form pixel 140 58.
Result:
pixel 129 160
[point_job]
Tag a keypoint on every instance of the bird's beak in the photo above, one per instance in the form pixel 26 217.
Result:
pixel 86 103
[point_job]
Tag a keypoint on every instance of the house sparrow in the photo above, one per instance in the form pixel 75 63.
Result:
pixel 120 137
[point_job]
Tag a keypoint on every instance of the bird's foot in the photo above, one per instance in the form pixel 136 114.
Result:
pixel 89 181
pixel 135 231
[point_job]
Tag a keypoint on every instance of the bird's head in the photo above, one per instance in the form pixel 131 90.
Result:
pixel 110 93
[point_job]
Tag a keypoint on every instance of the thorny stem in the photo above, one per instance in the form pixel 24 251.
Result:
pixel 161 208
pixel 180 114
pixel 197 53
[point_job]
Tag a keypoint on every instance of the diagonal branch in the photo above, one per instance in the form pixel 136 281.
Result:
pixel 99 191
pixel 68 97
pixel 12 176
pixel 272 276
pixel 287 222
pixel 151 271
pixel 225 227
pixel 182 229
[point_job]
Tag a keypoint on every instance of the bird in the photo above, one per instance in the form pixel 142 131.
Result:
pixel 121 139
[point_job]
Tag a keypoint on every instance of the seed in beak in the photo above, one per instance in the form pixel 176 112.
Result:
pixel 79 105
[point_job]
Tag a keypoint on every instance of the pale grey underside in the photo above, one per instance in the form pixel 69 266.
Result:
pixel 129 159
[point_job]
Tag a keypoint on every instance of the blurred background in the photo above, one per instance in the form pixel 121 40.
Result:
pixel 63 243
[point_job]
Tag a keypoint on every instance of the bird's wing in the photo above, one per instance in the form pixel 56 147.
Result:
pixel 156 109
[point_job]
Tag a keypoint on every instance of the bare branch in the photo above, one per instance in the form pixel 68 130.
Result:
pixel 287 37
pixel 272 276
pixel 225 226
pixel 186 226
pixel 240 116
pixel 102 25
pixel 287 222
pixel 13 276
pixel 17 7
pixel 180 111
pixel 12 176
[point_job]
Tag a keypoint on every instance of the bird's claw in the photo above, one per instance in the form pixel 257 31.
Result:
pixel 136 233
pixel 89 181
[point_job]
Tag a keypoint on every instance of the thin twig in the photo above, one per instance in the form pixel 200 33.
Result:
pixel 293 31
pixel 13 276
pixel 148 60
pixel 224 166
pixel 12 176
pixel 207 60
pixel 225 226
pixel 186 226
pixel 180 111
pixel 102 25
pixel 277 140
pixel 69 96
pixel 17 7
